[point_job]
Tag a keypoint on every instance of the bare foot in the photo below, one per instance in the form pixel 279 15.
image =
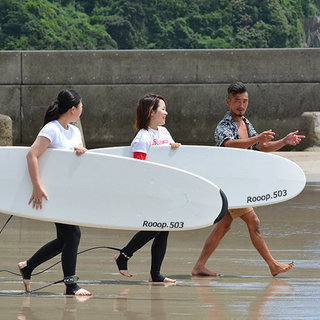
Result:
pixel 203 272
pixel 82 292
pixel 123 272
pixel 281 267
pixel 166 280
pixel 26 282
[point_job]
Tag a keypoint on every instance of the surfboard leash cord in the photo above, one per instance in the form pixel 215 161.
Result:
pixel 59 281
pixel 6 223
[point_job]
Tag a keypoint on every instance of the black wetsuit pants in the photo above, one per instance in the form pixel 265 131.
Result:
pixel 66 243
pixel 158 248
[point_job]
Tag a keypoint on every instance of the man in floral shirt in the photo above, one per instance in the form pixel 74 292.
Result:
pixel 235 131
pixel 228 129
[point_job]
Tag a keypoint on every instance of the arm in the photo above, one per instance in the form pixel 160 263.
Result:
pixel 292 139
pixel 245 143
pixel 240 143
pixel 36 150
pixel 80 149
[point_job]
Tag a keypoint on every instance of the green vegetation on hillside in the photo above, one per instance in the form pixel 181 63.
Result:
pixel 154 24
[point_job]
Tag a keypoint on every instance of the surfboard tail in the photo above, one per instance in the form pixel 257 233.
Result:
pixel 224 208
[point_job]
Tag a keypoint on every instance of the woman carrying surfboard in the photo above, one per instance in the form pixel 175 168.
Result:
pixel 56 132
pixel 150 117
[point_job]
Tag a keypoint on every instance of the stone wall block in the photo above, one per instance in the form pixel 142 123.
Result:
pixel 5 130
pixel 310 127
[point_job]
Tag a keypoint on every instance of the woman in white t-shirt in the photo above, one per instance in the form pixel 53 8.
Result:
pixel 151 115
pixel 56 132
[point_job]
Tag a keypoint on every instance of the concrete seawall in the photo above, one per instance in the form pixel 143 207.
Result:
pixel 282 84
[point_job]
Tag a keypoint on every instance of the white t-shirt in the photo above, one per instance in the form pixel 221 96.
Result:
pixel 147 138
pixel 59 137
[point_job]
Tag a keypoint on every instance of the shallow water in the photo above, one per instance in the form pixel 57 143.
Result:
pixel 245 291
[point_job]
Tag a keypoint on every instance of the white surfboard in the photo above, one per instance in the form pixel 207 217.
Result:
pixel 107 191
pixel 247 177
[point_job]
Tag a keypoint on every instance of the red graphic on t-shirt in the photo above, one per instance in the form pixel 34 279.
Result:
pixel 157 142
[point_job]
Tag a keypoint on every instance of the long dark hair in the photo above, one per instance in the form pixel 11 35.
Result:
pixel 145 105
pixel 66 99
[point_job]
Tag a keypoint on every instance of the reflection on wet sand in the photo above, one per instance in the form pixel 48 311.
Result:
pixel 156 300
pixel 275 288
pixel 157 310
pixel 120 305
pixel 211 305
pixel 71 305
pixel 69 308
pixel 215 309
pixel 206 288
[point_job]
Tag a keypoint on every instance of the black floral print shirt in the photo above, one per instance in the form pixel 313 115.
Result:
pixel 227 129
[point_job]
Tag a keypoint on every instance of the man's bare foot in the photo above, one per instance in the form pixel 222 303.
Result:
pixel 203 272
pixel 166 280
pixel 123 272
pixel 26 282
pixel 281 267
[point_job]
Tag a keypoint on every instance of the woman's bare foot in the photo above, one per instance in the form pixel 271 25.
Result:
pixel 26 282
pixel 166 280
pixel 123 272
pixel 203 272
pixel 281 267
pixel 82 292
pixel 79 293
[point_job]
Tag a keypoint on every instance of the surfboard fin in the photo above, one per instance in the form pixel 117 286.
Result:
pixel 224 208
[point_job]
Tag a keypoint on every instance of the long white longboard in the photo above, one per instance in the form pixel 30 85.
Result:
pixel 107 191
pixel 248 178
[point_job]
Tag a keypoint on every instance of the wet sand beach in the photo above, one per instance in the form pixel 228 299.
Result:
pixel 245 291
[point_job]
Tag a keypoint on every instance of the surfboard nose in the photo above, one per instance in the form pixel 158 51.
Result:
pixel 224 208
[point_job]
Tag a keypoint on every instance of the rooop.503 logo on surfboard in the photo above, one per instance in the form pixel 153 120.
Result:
pixel 265 197
pixel 163 225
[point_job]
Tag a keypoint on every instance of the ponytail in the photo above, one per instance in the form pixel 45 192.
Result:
pixel 66 99
pixel 51 114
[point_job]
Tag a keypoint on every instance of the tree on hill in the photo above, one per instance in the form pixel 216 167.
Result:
pixel 153 24
pixel 36 25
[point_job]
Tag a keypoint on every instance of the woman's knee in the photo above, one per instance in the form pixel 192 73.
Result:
pixel 72 235
pixel 162 235
pixel 77 234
